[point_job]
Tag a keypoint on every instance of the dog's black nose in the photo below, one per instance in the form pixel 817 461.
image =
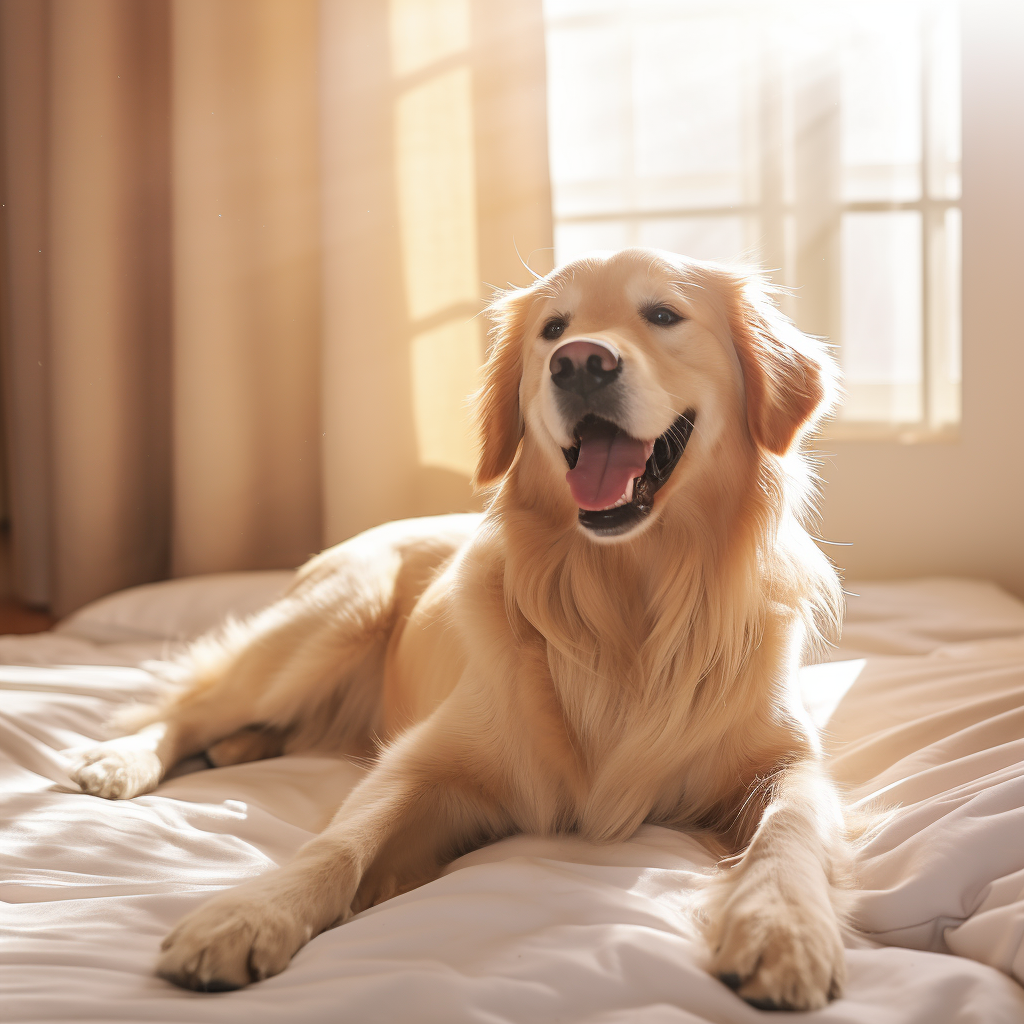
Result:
pixel 584 366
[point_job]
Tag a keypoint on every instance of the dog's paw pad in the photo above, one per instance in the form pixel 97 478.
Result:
pixel 217 985
pixel 764 1003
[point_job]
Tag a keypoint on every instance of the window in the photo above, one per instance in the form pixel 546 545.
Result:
pixel 819 139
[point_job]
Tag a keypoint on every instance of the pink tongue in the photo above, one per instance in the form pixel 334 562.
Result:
pixel 609 458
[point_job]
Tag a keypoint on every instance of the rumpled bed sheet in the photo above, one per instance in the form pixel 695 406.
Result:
pixel 922 710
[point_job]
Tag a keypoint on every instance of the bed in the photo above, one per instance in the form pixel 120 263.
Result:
pixel 923 704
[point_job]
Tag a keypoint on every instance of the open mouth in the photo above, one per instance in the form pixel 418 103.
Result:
pixel 614 477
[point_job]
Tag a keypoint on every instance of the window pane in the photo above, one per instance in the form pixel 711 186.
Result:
pixel 703 238
pixel 588 120
pixel 881 102
pixel 881 316
pixel 944 101
pixel 682 146
pixel 575 239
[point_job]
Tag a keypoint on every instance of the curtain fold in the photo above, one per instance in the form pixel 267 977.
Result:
pixel 245 190
pixel 244 249
pixel 85 92
pixel 26 399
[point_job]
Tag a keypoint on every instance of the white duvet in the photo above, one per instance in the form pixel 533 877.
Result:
pixel 925 703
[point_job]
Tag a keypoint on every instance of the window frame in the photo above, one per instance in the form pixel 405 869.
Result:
pixel 774 213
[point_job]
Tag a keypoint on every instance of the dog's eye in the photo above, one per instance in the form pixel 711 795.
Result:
pixel 554 329
pixel 661 316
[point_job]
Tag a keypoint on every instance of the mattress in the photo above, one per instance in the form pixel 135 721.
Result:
pixel 922 705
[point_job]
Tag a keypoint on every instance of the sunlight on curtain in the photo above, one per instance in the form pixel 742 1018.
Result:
pixel 822 140
pixel 445 365
pixel 434 155
pixel 426 31
pixel 434 168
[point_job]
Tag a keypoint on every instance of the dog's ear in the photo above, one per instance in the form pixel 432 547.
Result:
pixel 496 403
pixel 789 379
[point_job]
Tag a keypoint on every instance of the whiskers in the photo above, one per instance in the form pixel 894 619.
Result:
pixel 681 433
pixel 689 417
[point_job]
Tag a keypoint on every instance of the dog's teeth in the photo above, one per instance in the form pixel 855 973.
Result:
pixel 627 497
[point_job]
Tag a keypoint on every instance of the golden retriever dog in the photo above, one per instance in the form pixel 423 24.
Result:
pixel 614 641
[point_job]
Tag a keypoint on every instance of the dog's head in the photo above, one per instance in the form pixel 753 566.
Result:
pixel 630 373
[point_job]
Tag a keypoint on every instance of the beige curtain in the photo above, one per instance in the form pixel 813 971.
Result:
pixel 245 243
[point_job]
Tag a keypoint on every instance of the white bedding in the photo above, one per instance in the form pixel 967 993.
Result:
pixel 924 702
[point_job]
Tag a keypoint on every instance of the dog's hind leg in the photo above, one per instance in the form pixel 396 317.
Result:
pixel 308 668
pixel 315 652
pixel 250 743
pixel 266 672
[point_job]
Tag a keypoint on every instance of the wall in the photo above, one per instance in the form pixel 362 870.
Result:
pixel 957 508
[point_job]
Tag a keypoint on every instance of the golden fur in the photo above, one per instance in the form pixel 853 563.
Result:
pixel 515 673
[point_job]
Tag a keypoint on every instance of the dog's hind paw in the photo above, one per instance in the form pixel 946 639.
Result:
pixel 115 771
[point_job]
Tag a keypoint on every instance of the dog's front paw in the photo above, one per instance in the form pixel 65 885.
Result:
pixel 234 939
pixel 115 771
pixel 779 952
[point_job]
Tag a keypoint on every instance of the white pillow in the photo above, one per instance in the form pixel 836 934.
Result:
pixel 175 609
